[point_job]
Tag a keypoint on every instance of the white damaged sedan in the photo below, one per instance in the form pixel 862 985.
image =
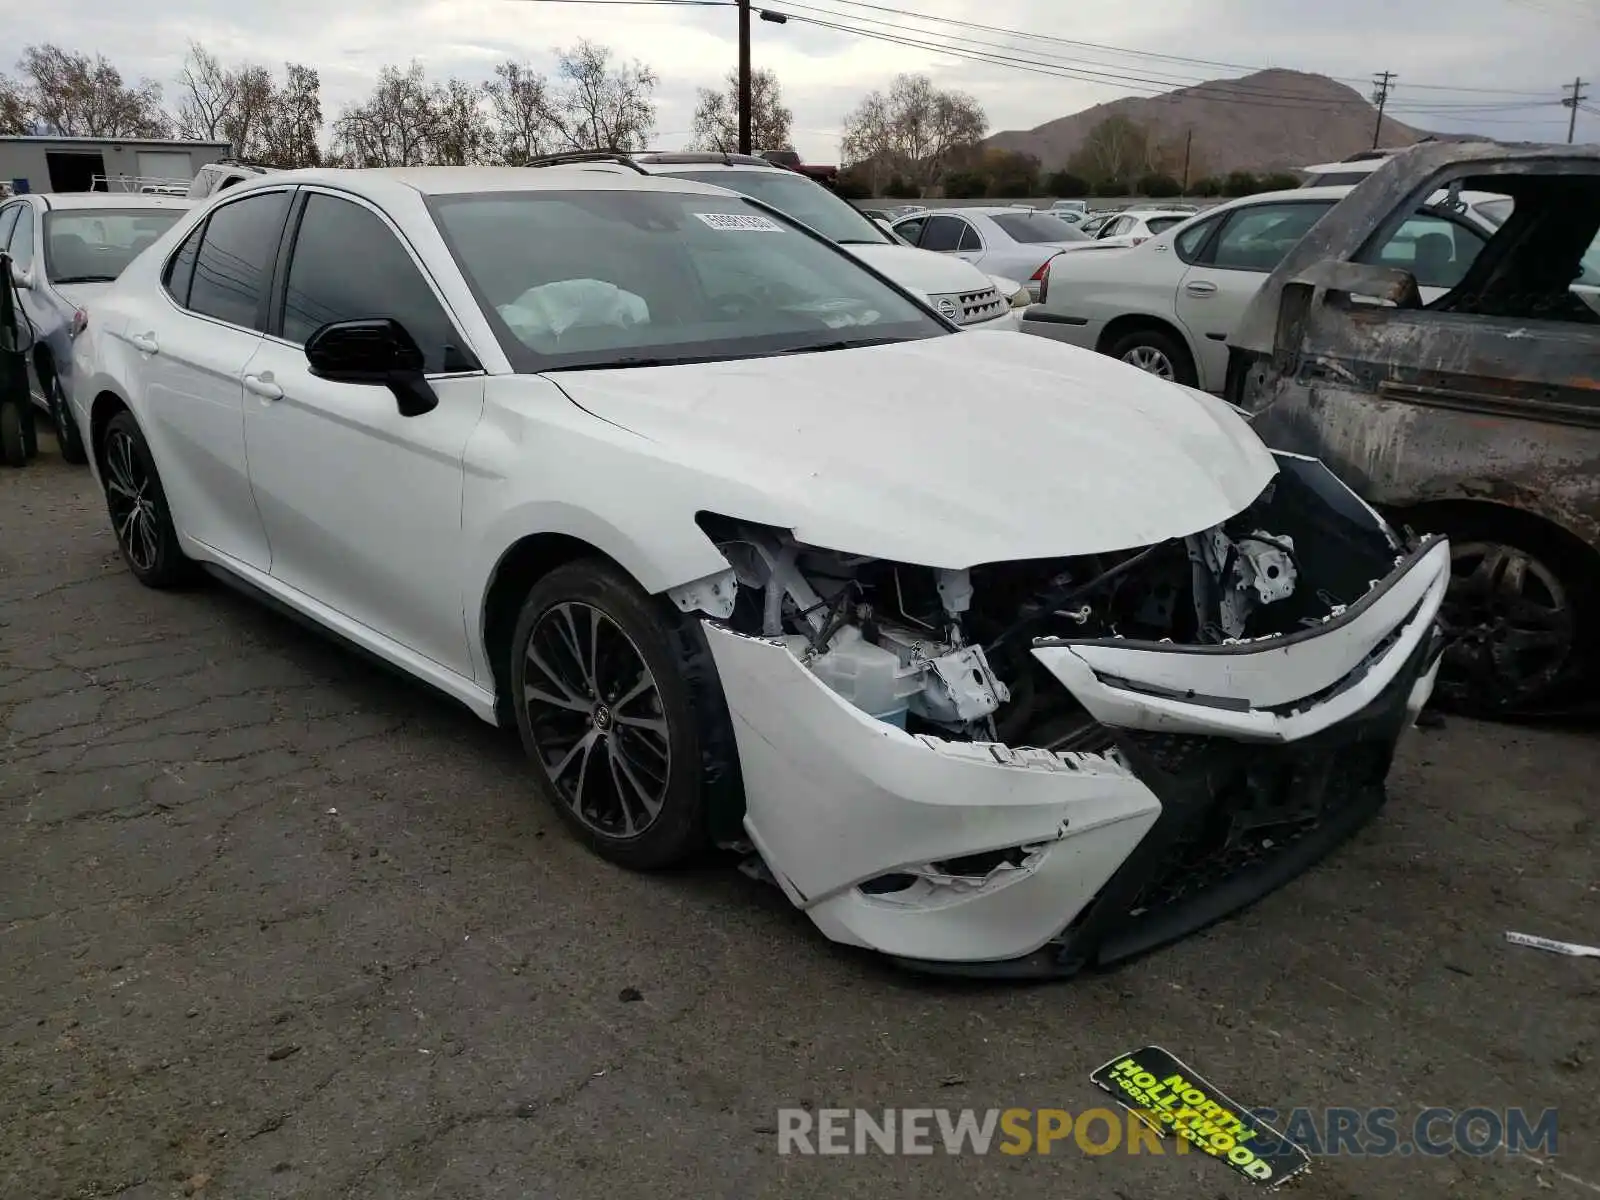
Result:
pixel 993 654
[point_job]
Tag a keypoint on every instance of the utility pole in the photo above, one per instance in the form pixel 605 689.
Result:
pixel 1188 145
pixel 1380 96
pixel 1572 103
pixel 744 77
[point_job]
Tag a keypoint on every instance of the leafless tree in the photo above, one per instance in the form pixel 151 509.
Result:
pixel 601 104
pixel 16 113
pixel 520 107
pixel 245 106
pixel 206 91
pixel 253 101
pixel 291 135
pixel 716 117
pixel 73 95
pixel 913 130
pixel 462 133
pixel 396 126
pixel 1116 148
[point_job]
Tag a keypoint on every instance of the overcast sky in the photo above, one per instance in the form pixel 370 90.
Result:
pixel 1526 49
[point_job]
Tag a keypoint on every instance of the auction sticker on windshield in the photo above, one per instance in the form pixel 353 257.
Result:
pixel 748 222
pixel 1172 1098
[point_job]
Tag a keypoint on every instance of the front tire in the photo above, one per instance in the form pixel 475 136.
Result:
pixel 140 515
pixel 1157 353
pixel 66 429
pixel 606 714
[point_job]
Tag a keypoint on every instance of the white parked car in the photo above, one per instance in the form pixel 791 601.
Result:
pixel 976 300
pixel 992 654
pixel 1014 242
pixel 1132 226
pixel 1168 305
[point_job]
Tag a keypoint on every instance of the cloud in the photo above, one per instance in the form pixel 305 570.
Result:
pixel 1519 45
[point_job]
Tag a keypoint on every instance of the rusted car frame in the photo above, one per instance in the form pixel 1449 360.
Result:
pixel 1476 415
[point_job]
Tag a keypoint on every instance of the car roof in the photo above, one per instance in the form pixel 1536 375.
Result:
pixel 378 182
pixel 77 201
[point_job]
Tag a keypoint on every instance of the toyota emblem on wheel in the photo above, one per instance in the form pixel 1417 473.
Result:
pixel 947 308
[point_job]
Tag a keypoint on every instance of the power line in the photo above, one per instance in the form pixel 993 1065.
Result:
pixel 1037 63
pixel 1177 58
pixel 1215 93
pixel 646 3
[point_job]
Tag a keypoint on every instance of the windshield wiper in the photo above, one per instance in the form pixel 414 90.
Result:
pixel 86 279
pixel 861 242
pixel 824 347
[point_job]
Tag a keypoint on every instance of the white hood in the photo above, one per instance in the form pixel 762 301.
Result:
pixel 947 452
pixel 922 270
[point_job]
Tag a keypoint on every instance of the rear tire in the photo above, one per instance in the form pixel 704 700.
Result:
pixel 66 429
pixel 607 713
pixel 141 518
pixel 1157 353
pixel 13 437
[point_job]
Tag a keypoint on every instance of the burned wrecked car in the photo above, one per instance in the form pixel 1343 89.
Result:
pixel 1473 412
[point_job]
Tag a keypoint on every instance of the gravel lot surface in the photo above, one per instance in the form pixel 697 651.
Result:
pixel 275 923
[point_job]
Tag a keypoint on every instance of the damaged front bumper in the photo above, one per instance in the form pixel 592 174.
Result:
pixel 1234 768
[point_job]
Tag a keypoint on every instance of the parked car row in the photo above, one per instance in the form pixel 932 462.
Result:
pixel 981 649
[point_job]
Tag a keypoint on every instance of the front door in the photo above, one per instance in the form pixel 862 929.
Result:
pixel 362 505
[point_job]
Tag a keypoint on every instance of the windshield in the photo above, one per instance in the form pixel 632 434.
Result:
pixel 94 245
pixel 642 278
pixel 1037 227
pixel 803 199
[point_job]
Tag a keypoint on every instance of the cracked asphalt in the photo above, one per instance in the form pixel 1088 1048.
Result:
pixel 274 923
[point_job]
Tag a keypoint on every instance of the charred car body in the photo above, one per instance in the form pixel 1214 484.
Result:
pixel 1476 414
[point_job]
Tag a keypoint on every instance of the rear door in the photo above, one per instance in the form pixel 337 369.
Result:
pixel 1241 252
pixel 193 341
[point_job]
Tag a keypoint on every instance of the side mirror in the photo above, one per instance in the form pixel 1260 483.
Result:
pixel 21 277
pixel 376 351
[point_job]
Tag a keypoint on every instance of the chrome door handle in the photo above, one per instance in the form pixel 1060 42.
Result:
pixel 144 342
pixel 1200 288
pixel 262 385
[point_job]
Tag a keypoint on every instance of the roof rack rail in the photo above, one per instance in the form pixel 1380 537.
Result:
pixel 571 157
pixel 147 184
pixel 681 157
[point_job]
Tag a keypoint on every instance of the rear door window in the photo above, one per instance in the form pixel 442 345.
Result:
pixel 1258 237
pixel 943 234
pixel 233 270
pixel 1436 251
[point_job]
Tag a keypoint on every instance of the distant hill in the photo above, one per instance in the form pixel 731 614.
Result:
pixel 1271 120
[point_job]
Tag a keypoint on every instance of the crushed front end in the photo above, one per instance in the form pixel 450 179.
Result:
pixel 1029 768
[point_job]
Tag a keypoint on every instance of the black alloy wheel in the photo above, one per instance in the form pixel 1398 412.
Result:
pixel 606 717
pixel 140 517
pixel 66 429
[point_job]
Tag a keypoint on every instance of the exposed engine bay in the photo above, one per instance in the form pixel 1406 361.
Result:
pixel 946 651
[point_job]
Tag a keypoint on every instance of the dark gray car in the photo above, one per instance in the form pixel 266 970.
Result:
pixel 65 248
pixel 1474 414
